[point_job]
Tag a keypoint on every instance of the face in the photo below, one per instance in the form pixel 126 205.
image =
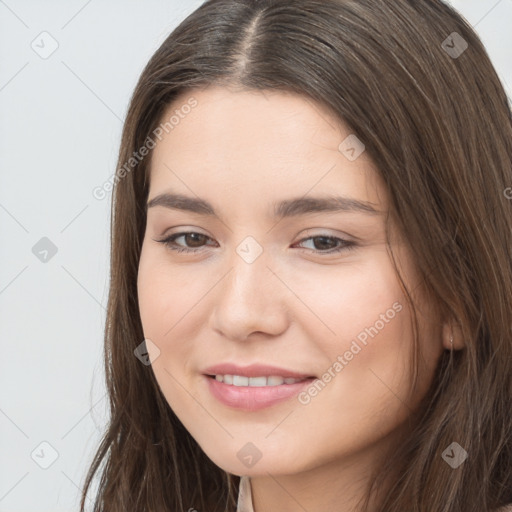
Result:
pixel 259 269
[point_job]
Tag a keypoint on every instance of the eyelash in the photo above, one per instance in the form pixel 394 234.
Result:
pixel 346 244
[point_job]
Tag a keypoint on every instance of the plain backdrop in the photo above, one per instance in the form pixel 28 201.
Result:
pixel 67 70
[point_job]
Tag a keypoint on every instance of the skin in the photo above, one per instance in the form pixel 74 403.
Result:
pixel 293 307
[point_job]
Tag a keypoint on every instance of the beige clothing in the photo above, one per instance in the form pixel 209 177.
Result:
pixel 245 498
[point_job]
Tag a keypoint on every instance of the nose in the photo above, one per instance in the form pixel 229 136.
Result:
pixel 250 299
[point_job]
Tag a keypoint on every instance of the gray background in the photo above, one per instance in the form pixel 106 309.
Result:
pixel 60 125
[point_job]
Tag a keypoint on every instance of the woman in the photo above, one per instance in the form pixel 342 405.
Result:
pixel 242 353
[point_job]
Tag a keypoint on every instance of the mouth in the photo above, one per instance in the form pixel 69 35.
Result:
pixel 252 394
pixel 258 381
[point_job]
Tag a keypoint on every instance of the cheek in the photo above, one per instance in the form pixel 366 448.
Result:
pixel 166 305
pixel 360 301
pixel 165 294
pixel 157 306
pixel 153 296
pixel 172 309
pixel 365 333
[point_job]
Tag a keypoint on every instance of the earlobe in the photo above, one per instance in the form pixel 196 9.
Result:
pixel 452 337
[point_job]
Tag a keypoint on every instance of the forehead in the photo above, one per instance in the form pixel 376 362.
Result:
pixel 258 145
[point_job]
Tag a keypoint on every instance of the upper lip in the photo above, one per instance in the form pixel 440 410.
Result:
pixel 253 370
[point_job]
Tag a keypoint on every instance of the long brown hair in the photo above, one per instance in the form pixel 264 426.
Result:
pixel 413 81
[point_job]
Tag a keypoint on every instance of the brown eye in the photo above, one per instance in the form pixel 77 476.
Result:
pixel 324 244
pixel 193 241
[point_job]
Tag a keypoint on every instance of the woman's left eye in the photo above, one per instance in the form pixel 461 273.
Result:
pixel 339 243
pixel 335 244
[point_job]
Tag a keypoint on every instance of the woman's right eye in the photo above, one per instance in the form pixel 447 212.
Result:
pixel 190 237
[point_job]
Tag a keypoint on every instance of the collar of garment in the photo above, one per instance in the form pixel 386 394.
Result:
pixel 244 496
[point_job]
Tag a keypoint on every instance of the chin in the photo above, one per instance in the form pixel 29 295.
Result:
pixel 249 460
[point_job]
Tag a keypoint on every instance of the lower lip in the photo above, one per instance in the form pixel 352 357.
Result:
pixel 254 398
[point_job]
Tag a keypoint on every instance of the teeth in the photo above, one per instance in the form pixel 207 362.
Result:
pixel 257 381
pixel 240 380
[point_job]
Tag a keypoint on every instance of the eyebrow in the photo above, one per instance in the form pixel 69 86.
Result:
pixel 286 208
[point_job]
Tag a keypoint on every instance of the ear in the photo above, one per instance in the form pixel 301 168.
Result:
pixel 452 336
